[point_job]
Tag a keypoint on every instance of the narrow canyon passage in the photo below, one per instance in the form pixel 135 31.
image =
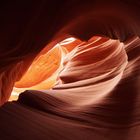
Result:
pixel 83 64
pixel 70 70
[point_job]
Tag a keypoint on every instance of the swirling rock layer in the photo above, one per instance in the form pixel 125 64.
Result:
pixel 97 93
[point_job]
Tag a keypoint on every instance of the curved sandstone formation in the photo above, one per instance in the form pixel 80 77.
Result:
pixel 76 66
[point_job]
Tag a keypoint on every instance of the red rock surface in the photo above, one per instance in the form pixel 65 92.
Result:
pixel 95 95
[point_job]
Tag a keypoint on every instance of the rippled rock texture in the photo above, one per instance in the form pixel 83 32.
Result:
pixel 76 66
